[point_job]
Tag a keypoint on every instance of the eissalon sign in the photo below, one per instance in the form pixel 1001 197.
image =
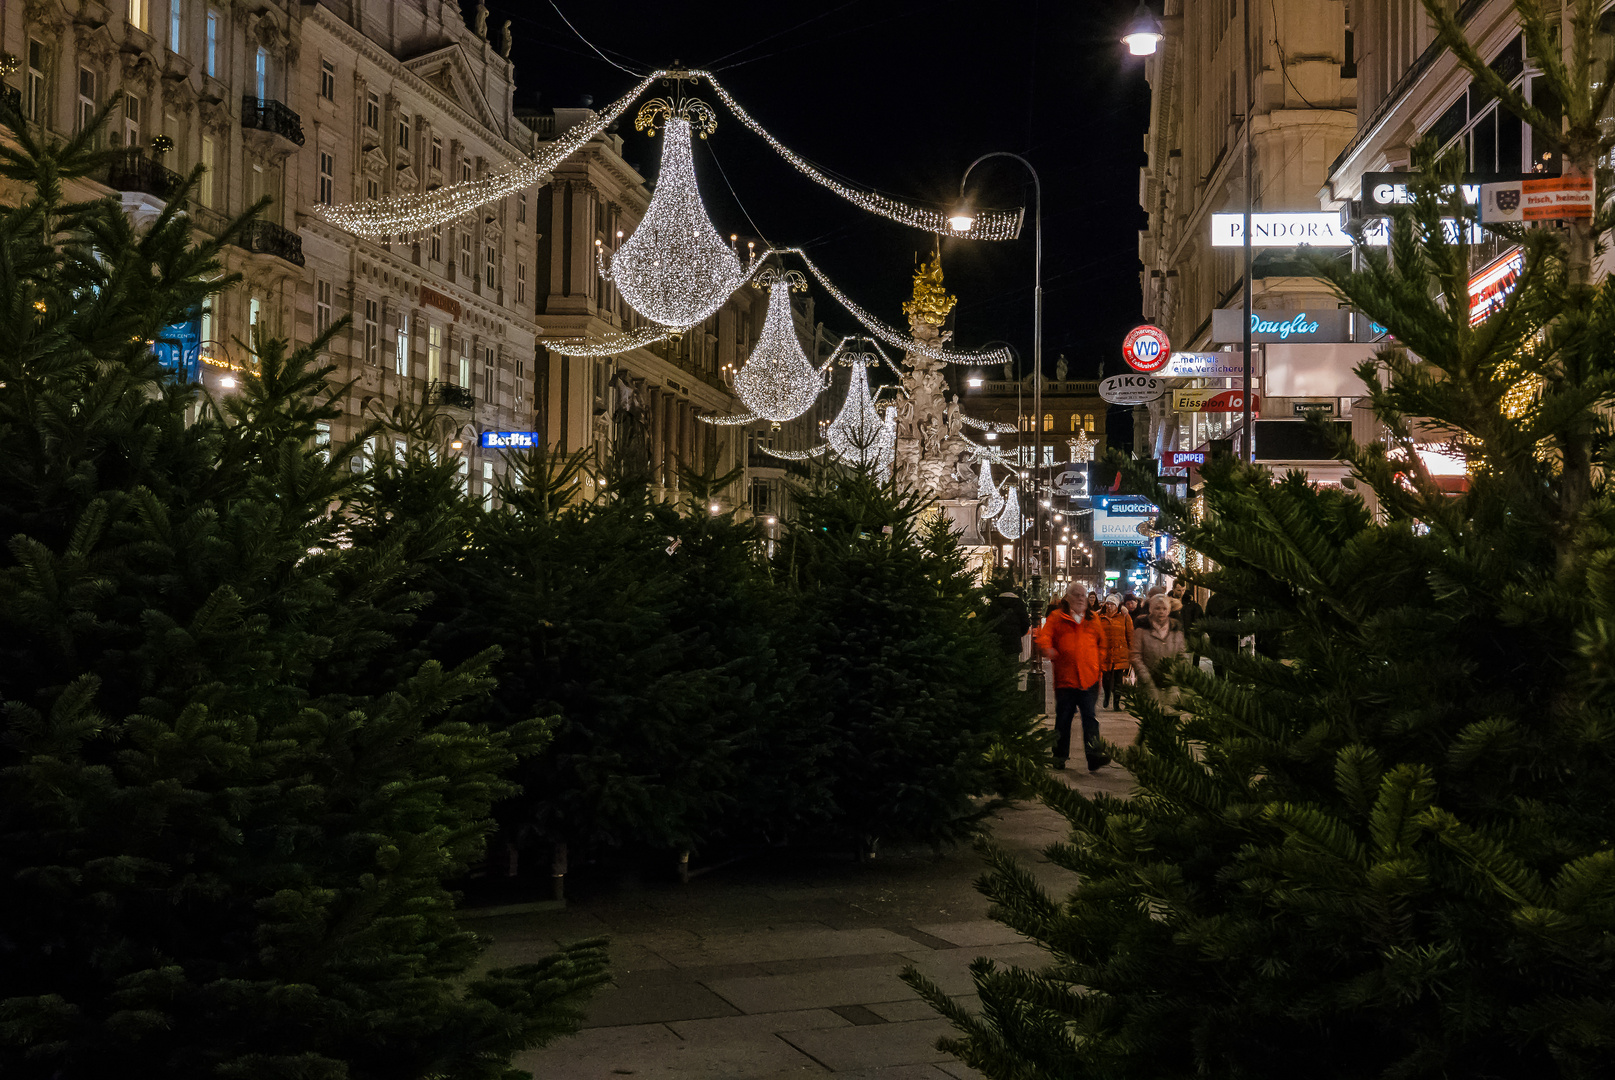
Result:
pixel 1283 324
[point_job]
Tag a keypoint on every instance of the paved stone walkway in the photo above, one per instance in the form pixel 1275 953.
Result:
pixel 788 966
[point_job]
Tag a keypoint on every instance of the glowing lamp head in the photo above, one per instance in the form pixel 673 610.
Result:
pixel 992 436
pixel 1143 35
pixel 457 444
pixel 715 508
pixel 228 382
pixel 974 380
pixel 963 218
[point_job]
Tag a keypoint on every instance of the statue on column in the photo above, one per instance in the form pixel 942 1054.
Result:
pixel 480 22
pixel 505 41
pixel 931 453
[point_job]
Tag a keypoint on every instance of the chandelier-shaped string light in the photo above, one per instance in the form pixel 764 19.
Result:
pixel 987 491
pixel 777 382
pixel 1009 523
pixel 675 269
pixel 988 224
pixel 416 212
pixel 857 433
pixel 892 337
pixel 615 345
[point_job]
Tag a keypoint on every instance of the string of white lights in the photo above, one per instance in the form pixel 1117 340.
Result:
pixel 612 346
pixel 988 453
pixel 675 269
pixel 777 382
pixel 892 337
pixel 1009 523
pixel 1000 426
pixel 728 421
pixel 987 491
pixel 795 455
pixel 413 213
pixel 988 224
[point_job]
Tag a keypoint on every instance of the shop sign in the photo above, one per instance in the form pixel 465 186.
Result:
pixel 1382 191
pixel 1545 199
pixel 1181 458
pixel 1205 365
pixel 433 298
pixel 1146 348
pixel 179 346
pixel 1071 484
pixel 1213 401
pixel 1173 470
pixel 509 440
pixel 1491 285
pixel 1130 389
pixel 1308 406
pixel 1282 325
pixel 1116 519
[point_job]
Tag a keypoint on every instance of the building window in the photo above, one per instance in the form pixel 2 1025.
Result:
pixel 255 311
pixel 372 331
pixel 403 131
pixel 465 254
pixel 465 169
pixel 260 72
pixel 133 108
pixel 86 98
pixel 140 15
pixel 487 376
pixel 327 178
pixel 206 345
pixel 434 352
pixel 437 153
pixel 212 43
pixel 465 364
pixel 322 439
pixel 372 189
pixel 521 282
pixel 487 485
pixel 401 356
pixel 434 244
pixel 490 266
pixel 322 306
pixel 35 105
pixel 1087 423
pixel 1048 421
pixel 372 111
pixel 521 379
pixel 327 80
pixel 176 27
pixel 521 207
pixel 462 475
pixel 209 151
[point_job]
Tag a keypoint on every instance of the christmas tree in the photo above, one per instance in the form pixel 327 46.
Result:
pixel 1381 844
pixel 217 859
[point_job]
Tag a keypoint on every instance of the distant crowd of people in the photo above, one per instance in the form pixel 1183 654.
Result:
pixel 1096 649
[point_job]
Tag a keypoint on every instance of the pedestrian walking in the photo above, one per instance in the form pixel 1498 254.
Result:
pixel 1119 641
pixel 1191 612
pixel 1007 616
pixel 1073 638
pixel 1159 639
pixel 1142 613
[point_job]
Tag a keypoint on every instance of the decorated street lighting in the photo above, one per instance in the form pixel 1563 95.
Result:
pixel 777 382
pixel 1143 35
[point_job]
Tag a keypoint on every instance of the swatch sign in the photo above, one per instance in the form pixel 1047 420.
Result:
pixel 1288 325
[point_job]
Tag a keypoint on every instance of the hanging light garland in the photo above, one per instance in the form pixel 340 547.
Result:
pixel 1000 426
pixel 1010 524
pixel 988 225
pixel 612 346
pixel 729 421
pixel 892 337
pixel 407 215
pixel 794 455
pixel 777 382
pixel 675 269
pixel 416 212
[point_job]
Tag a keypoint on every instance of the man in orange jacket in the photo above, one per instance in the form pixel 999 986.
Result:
pixel 1075 640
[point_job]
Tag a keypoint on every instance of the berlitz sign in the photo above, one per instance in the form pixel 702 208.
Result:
pixel 509 440
pixel 1283 324
pixel 1130 389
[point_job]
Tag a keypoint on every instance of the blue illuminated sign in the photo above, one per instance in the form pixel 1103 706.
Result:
pixel 1116 519
pixel 509 440
pixel 179 346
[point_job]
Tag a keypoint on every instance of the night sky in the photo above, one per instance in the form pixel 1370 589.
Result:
pixel 900 96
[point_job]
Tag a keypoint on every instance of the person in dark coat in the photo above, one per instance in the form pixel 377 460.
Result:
pixel 1190 613
pixel 1008 618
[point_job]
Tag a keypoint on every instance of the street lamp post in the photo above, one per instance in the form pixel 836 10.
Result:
pixel 961 220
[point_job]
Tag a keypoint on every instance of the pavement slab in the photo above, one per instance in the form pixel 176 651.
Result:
pixel 787 965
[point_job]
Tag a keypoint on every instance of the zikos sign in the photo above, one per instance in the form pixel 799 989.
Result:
pixel 1146 348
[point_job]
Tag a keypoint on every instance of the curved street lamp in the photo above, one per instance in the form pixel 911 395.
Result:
pixel 1143 32
pixel 962 218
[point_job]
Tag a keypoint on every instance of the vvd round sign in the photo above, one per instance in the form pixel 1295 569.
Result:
pixel 1146 348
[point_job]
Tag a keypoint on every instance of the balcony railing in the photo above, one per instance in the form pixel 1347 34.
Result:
pixel 267 238
pixel 450 395
pixel 134 171
pixel 266 114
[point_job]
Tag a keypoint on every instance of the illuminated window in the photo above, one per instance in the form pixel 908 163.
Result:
pixel 1087 422
pixel 465 363
pixel 175 26
pixel 139 13
pixel 1075 419
pixel 322 306
pixel 212 43
pixel 87 83
pixel 434 352
pixel 487 485
pixel 372 330
pixel 401 356
pixel 1048 421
